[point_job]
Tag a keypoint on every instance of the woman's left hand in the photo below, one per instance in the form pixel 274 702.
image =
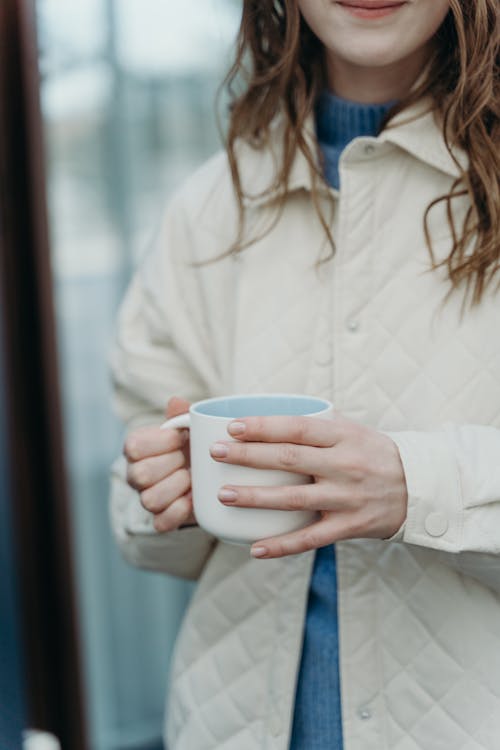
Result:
pixel 359 486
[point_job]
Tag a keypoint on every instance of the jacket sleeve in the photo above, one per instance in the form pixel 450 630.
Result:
pixel 453 481
pixel 162 348
pixel 180 553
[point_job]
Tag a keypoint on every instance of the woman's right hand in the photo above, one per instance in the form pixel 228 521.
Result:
pixel 158 468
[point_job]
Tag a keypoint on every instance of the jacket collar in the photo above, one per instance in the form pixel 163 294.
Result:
pixel 416 131
pixel 419 132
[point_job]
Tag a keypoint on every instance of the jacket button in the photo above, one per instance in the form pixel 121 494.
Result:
pixel 352 324
pixel 369 149
pixel 364 713
pixel 436 524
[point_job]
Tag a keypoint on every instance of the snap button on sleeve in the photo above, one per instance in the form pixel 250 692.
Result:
pixel 436 524
pixel 369 149
pixel 364 713
pixel 352 324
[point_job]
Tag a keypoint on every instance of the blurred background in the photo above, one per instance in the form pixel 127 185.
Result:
pixel 127 92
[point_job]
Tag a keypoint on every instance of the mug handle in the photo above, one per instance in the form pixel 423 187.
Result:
pixel 183 421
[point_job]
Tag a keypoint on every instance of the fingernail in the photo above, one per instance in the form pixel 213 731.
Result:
pixel 227 496
pixel 258 551
pixel 218 450
pixel 237 428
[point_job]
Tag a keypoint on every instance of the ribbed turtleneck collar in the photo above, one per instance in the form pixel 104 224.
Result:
pixel 339 120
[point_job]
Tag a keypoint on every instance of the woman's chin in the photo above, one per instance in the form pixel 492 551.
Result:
pixel 375 56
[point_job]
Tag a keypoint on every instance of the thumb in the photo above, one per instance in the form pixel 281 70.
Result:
pixel 176 406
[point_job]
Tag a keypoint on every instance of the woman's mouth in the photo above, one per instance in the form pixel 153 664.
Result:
pixel 371 9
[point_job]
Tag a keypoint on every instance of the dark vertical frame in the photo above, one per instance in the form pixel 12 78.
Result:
pixel 12 677
pixel 38 485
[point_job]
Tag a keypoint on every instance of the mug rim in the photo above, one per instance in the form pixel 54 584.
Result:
pixel 327 405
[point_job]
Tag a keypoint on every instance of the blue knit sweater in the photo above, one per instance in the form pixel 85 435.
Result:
pixel 317 723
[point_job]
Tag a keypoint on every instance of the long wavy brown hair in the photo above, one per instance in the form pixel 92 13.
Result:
pixel 281 64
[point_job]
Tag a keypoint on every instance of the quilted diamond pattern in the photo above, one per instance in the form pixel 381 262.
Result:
pixel 419 626
pixel 229 648
pixel 410 362
pixel 463 680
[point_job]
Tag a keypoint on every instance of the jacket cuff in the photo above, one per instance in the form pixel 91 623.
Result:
pixel 435 505
pixel 180 553
pixel 399 535
pixel 171 552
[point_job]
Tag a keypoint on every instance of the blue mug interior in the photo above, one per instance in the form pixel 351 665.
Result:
pixel 261 406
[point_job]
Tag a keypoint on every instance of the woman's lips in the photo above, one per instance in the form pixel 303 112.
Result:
pixel 367 10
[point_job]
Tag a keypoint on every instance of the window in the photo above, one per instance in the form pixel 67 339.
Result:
pixel 128 89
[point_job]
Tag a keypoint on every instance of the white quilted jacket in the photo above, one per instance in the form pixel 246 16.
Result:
pixel 419 615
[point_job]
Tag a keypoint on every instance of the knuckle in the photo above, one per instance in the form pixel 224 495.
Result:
pixel 297 499
pixel 180 439
pixel 287 455
pixel 311 540
pixel 131 476
pixel 161 524
pixel 173 517
pixel 357 473
pixel 280 549
pixel 170 439
pixel 301 429
pixel 148 501
pixel 139 475
pixel 178 459
pixel 239 452
pixel 250 496
pixel 184 479
pixel 131 447
pixel 181 510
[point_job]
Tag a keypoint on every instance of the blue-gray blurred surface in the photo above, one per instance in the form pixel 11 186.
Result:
pixel 128 89
pixel 12 698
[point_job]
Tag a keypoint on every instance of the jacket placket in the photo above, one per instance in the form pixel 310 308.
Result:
pixel 360 673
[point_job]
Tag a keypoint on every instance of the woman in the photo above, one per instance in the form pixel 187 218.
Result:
pixel 346 245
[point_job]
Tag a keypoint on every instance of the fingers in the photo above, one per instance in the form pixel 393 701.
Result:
pixel 316 535
pixel 176 406
pixel 312 497
pixel 331 528
pixel 179 513
pixel 157 461
pixel 157 498
pixel 149 471
pixel 299 430
pixel 151 441
pixel 300 459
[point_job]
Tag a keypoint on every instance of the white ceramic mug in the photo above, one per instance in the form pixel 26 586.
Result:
pixel 207 421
